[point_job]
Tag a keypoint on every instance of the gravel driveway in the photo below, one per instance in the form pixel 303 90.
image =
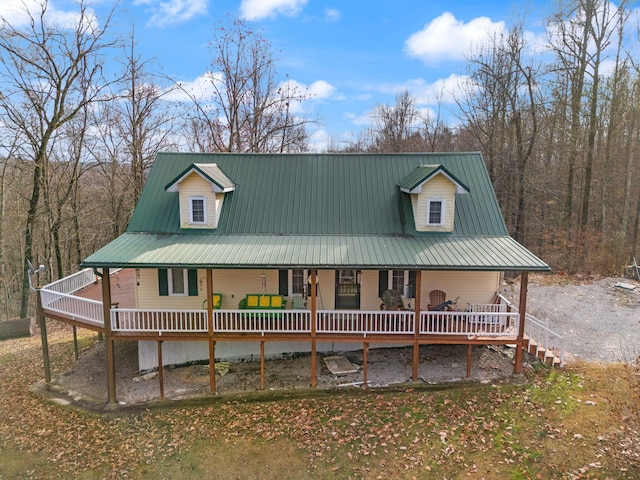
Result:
pixel 599 321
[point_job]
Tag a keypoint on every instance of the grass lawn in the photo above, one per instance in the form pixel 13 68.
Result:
pixel 578 422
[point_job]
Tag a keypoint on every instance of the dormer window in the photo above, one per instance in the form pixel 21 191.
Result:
pixel 435 212
pixel 201 190
pixel 197 210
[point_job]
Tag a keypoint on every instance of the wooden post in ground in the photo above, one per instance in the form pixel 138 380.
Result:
pixel 313 288
pixel 106 313
pixel 42 323
pixel 416 328
pixel 210 325
pixel 75 341
pixel 524 286
pixel 262 365
pixel 160 370
pixel 365 359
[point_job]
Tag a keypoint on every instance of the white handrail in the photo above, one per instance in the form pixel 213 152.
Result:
pixel 72 283
pixel 77 308
pixel 495 324
pixel 262 321
pixel 539 331
pixel 365 322
pixel 148 320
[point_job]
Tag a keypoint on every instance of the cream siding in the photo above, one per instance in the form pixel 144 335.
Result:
pixel 471 287
pixel 437 188
pixel 196 186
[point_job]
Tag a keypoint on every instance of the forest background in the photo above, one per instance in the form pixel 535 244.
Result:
pixel 559 131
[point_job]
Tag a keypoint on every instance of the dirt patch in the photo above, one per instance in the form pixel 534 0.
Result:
pixel 87 380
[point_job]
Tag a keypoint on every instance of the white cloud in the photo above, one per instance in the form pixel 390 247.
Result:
pixel 259 9
pixel 443 90
pixel 173 11
pixel 446 38
pixel 332 14
pixel 202 88
pixel 17 13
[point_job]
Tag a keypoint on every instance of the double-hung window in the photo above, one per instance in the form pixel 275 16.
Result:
pixel 177 282
pixel 197 210
pixel 435 211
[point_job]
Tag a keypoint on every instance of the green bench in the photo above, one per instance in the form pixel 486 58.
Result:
pixel 261 301
pixel 217 302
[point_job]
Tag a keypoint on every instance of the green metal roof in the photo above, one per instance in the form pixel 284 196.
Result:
pixel 436 252
pixel 318 210
pixel 425 172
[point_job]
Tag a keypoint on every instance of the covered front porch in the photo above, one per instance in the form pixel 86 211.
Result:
pixel 83 301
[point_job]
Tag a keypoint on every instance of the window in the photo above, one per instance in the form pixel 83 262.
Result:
pixel 398 280
pixel 197 210
pixel 298 282
pixel 177 282
pixel 435 212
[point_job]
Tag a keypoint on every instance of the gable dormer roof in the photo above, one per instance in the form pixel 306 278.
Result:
pixel 413 182
pixel 210 172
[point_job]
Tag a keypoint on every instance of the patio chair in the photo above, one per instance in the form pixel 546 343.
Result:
pixel 437 300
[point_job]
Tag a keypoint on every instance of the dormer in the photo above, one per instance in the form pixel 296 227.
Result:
pixel 201 189
pixel 433 192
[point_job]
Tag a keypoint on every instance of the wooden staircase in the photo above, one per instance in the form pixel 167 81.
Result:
pixel 545 355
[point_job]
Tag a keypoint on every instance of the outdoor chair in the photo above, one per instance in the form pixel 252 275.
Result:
pixel 437 300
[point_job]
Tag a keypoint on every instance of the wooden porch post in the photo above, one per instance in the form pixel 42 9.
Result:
pixel 365 358
pixel 212 358
pixel 469 357
pixel 75 341
pixel 262 365
pixel 160 370
pixel 106 312
pixel 416 327
pixel 524 285
pixel 42 323
pixel 314 376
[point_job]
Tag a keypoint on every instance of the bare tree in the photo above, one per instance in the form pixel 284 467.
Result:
pixel 49 73
pixel 249 110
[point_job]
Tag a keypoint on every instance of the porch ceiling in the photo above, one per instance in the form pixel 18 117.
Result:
pixel 436 252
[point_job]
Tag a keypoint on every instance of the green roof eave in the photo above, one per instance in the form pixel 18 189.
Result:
pixel 413 182
pixel 210 172
pixel 444 252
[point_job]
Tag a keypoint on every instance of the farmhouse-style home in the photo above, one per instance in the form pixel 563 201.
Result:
pixel 240 255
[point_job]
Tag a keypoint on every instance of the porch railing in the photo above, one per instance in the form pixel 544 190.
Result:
pixel 364 322
pixel 76 308
pixel 262 321
pixel 174 321
pixel 475 323
pixel 539 331
pixel 73 283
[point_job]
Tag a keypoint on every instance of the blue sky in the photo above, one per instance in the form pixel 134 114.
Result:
pixel 351 54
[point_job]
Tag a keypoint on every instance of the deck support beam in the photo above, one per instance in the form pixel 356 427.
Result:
pixel 42 323
pixel 314 308
pixel 106 312
pixel 469 358
pixel 212 357
pixel 160 370
pixel 262 365
pixel 416 328
pixel 365 361
pixel 75 342
pixel 524 286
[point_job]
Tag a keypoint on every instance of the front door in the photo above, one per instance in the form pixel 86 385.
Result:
pixel 347 290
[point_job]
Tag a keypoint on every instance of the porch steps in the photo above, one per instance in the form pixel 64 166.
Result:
pixel 545 355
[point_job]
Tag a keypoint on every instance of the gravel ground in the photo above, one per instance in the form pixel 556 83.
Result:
pixel 599 321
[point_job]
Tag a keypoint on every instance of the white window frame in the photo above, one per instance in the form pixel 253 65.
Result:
pixel 204 210
pixel 443 210
pixel 405 282
pixel 185 280
pixel 305 276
